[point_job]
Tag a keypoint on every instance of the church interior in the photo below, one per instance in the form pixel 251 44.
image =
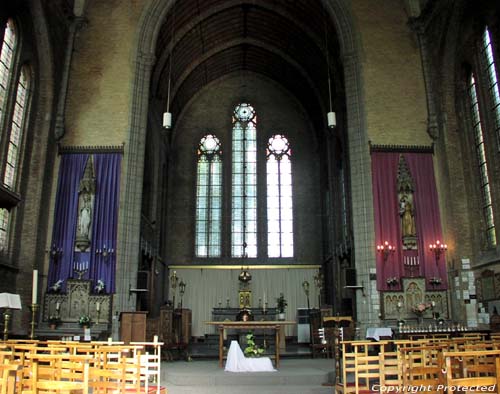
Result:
pixel 176 171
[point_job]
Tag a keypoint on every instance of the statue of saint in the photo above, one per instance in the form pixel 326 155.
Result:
pixel 84 217
pixel 408 220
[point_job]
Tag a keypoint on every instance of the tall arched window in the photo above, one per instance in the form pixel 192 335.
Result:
pixel 209 198
pixel 482 163
pixel 279 198
pixel 17 126
pixel 244 182
pixel 488 61
pixel 9 41
pixel 7 56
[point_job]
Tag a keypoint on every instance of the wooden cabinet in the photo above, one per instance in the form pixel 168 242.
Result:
pixel 133 326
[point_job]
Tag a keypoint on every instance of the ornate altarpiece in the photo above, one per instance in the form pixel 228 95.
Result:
pixel 78 301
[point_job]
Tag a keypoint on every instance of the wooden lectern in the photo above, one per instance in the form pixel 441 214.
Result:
pixel 133 326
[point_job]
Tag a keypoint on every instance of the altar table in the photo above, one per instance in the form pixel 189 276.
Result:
pixel 249 325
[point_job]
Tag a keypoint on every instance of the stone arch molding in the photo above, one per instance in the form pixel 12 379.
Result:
pixel 150 23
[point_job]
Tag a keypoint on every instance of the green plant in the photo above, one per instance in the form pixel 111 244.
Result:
pixel 84 320
pixel 252 350
pixel 281 303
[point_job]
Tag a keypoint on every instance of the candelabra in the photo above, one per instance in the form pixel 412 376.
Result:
pixel 412 264
pixel 81 268
pixel 34 309
pixel 105 252
pixel 392 281
pixel 386 249
pixel 438 248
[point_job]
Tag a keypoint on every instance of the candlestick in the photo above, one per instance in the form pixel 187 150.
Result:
pixel 97 306
pixel 34 309
pixel 34 295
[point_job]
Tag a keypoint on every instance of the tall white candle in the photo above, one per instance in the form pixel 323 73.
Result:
pixel 97 306
pixel 58 305
pixel 34 294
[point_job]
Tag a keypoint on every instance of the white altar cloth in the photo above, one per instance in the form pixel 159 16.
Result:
pixel 237 362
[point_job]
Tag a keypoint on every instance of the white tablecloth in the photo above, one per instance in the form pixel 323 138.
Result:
pixel 377 332
pixel 237 362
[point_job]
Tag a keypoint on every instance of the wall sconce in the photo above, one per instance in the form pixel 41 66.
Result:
pixel 55 252
pixel 386 249
pixel 105 252
pixel 438 248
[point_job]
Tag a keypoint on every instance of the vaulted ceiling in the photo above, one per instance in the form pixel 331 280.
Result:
pixel 284 40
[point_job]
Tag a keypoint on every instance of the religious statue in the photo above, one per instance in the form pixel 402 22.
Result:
pixel 85 217
pixel 406 191
pixel 85 208
pixel 407 220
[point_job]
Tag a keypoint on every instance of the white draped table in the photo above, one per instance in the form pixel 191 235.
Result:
pixel 250 325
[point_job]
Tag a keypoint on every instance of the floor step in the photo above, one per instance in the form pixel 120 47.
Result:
pixel 250 390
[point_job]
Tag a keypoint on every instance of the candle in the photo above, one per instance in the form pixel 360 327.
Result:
pixel 34 294
pixel 97 306
pixel 58 305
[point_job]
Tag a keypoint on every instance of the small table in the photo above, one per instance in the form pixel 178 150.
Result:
pixel 249 325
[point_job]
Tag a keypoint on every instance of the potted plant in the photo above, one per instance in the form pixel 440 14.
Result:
pixel 84 321
pixel 54 321
pixel 281 306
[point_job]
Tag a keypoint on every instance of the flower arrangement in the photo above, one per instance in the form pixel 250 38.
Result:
pixel 252 350
pixel 84 320
pixel 419 309
pixel 100 286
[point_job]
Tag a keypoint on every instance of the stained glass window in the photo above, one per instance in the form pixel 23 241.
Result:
pixel 209 198
pixel 244 182
pixel 482 163
pixel 279 198
pixel 6 64
pixel 4 222
pixel 16 129
pixel 490 68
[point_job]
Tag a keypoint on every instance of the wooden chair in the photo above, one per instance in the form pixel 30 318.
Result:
pixel 360 367
pixel 58 373
pixel 151 363
pixel 479 369
pixel 422 367
pixel 8 373
pixel 320 345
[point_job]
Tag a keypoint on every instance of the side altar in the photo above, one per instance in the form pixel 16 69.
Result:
pixel 79 300
pixel 399 305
